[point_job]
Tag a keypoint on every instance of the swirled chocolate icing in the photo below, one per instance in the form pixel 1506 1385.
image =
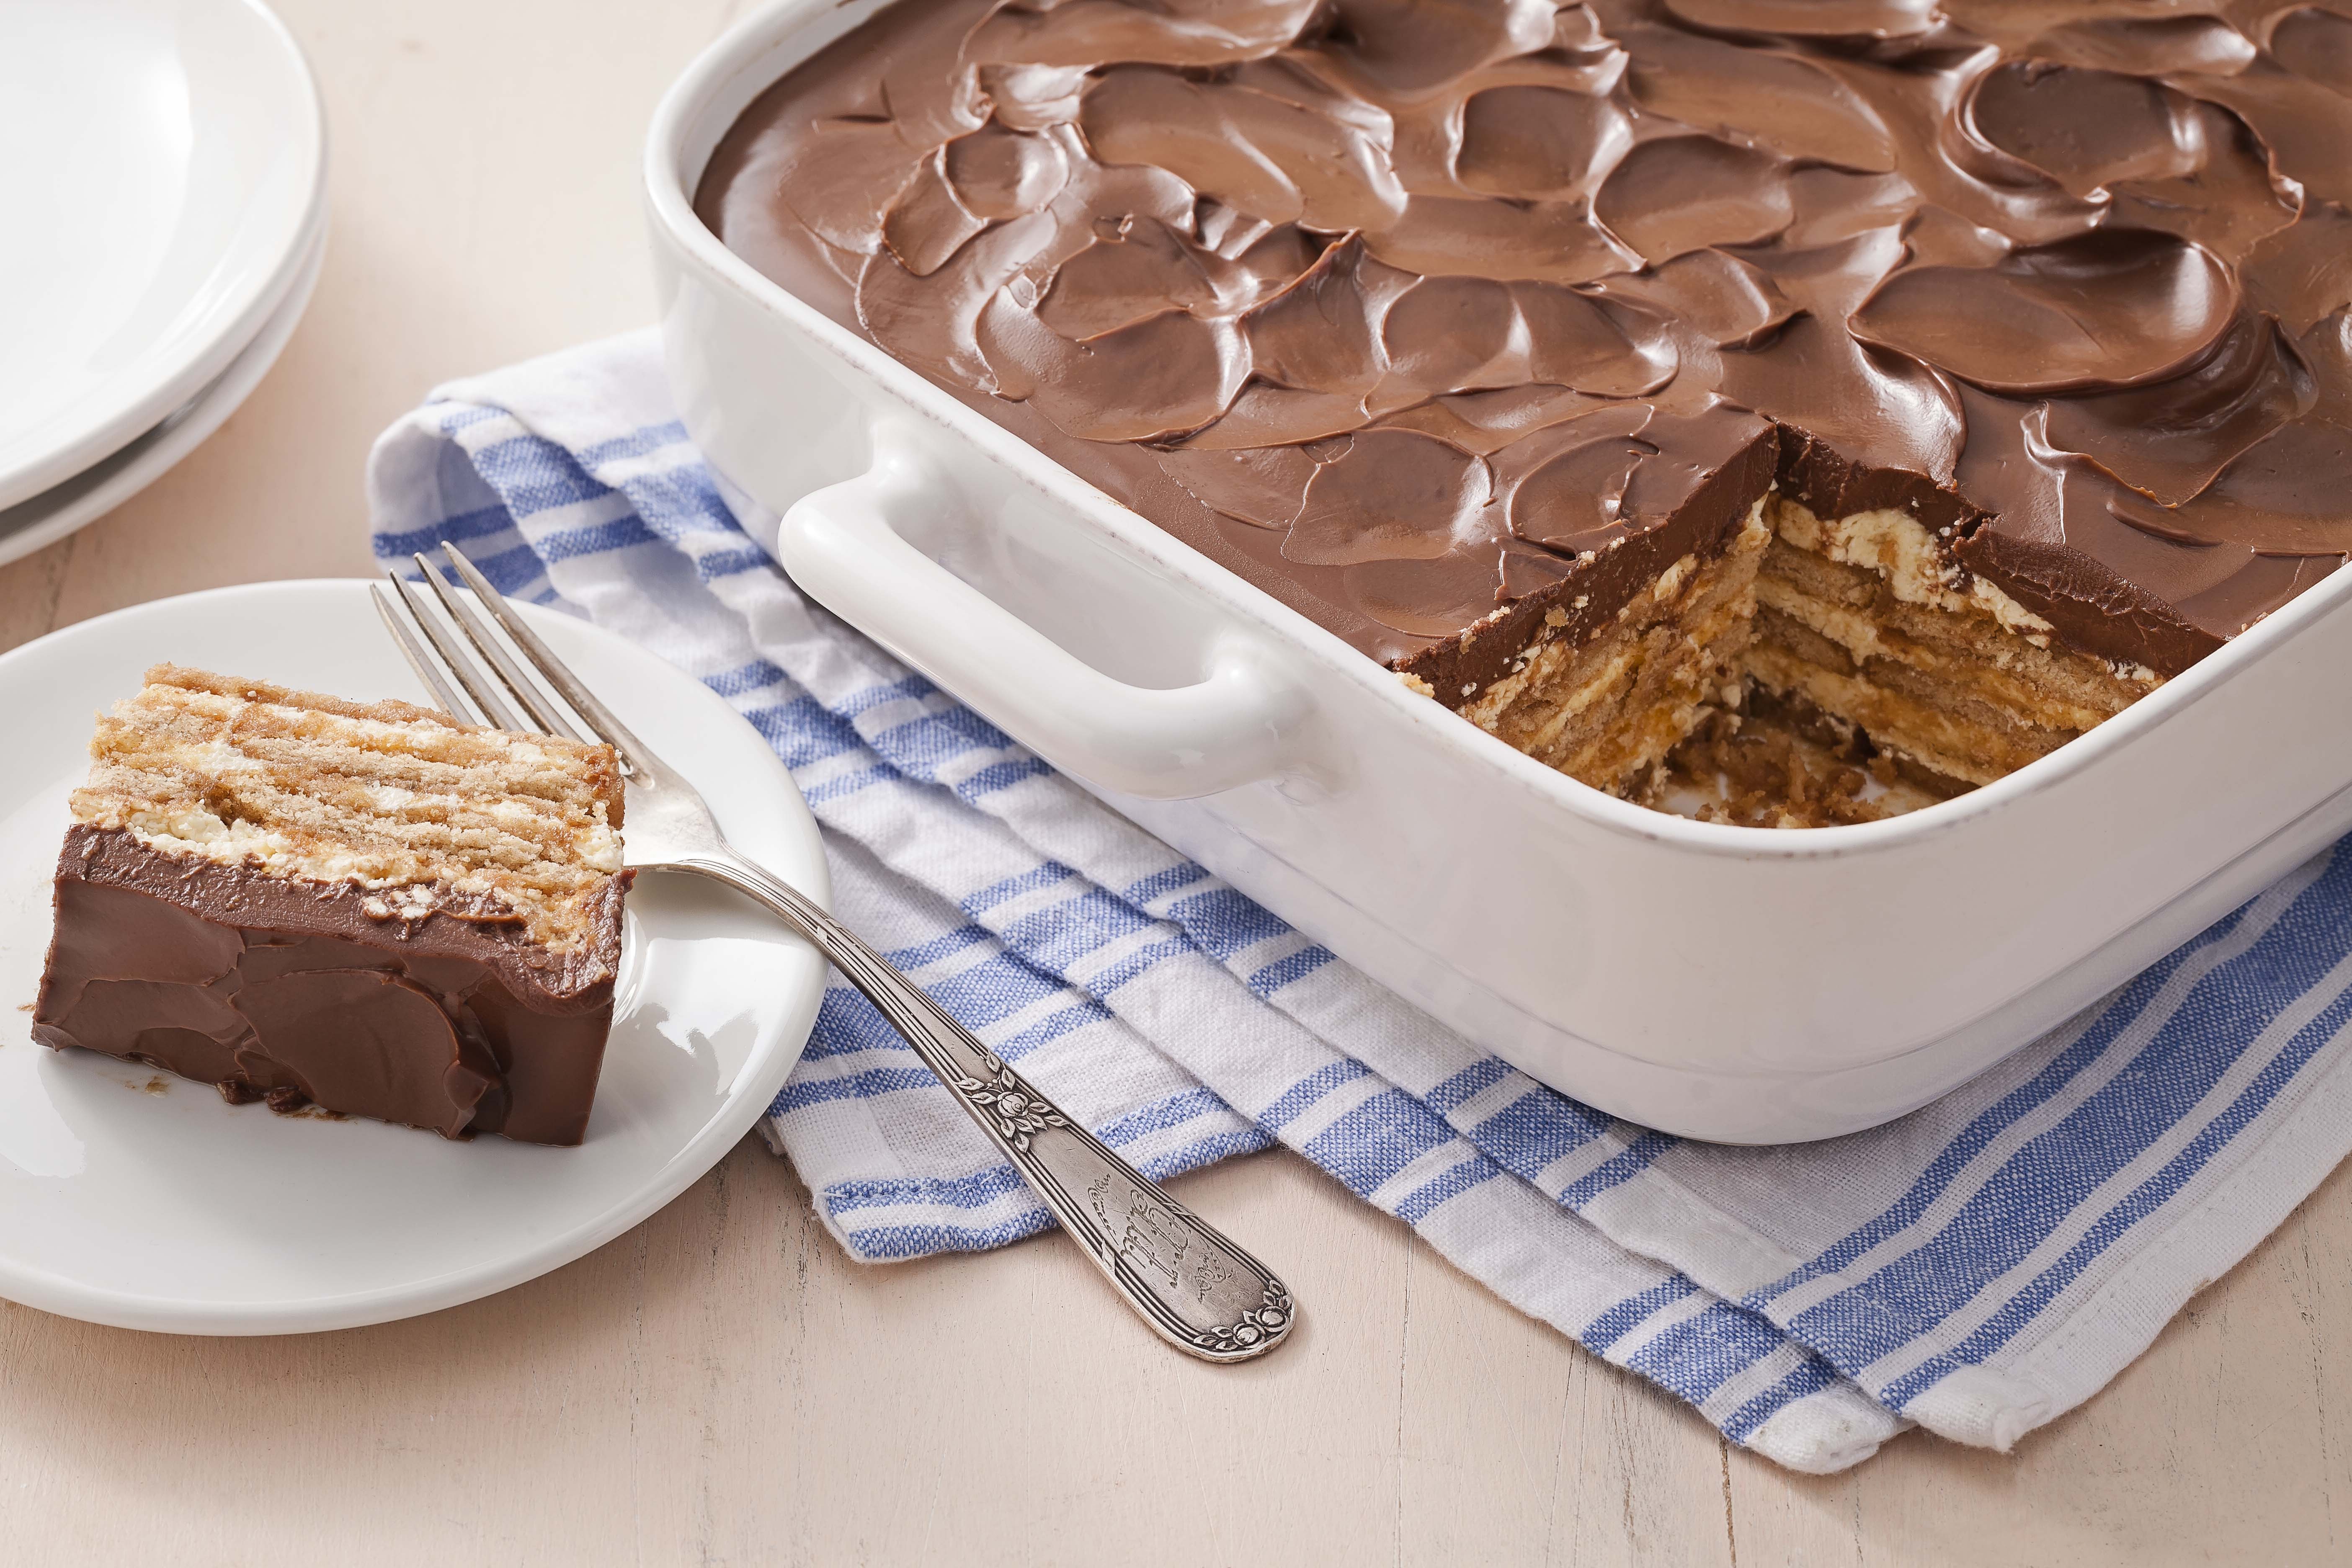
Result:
pixel 1407 310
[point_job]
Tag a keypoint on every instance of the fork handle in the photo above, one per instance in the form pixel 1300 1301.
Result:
pixel 1197 1289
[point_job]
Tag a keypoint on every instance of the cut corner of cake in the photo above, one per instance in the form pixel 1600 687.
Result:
pixel 364 906
pixel 1802 644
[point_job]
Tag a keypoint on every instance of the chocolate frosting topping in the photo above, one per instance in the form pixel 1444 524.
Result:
pixel 1411 310
pixel 298 993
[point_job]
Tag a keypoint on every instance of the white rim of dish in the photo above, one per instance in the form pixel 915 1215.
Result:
pixel 63 509
pixel 238 316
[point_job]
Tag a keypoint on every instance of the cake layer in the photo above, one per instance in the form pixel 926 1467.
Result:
pixel 1961 681
pixel 1951 736
pixel 280 988
pixel 1608 709
pixel 417 812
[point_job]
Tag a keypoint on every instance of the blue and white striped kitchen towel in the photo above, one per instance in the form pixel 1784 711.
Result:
pixel 1976 1268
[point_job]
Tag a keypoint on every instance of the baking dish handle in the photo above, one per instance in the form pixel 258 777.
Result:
pixel 1236 726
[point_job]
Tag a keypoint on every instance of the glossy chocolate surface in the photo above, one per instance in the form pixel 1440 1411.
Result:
pixel 290 991
pixel 1407 310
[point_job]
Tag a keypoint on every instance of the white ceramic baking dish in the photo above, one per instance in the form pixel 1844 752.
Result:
pixel 1723 982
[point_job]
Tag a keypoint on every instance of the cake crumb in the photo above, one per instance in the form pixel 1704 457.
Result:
pixel 1670 580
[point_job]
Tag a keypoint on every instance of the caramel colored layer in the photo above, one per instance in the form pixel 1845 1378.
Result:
pixel 1946 683
pixel 421 814
pixel 1865 685
pixel 1607 710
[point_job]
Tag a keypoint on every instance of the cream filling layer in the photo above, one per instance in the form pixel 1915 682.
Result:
pixel 1899 548
pixel 1862 637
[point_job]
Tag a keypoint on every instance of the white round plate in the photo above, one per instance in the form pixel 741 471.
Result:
pixel 166 159
pixel 145 1201
pixel 114 478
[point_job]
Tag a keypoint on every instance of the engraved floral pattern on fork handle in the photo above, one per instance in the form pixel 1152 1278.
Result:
pixel 1198 1290
pixel 1018 1110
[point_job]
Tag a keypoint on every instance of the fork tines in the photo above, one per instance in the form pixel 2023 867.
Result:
pixel 488 674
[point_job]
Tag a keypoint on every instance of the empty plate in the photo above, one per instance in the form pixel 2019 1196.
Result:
pixel 165 169
pixel 114 478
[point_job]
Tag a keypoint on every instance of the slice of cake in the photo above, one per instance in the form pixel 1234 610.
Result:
pixel 365 907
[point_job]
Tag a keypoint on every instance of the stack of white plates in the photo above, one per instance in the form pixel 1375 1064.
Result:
pixel 162 174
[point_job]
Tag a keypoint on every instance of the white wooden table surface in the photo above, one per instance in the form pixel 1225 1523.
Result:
pixel 720 1384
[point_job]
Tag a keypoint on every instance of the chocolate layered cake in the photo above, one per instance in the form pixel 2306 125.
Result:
pixel 1849 400
pixel 363 907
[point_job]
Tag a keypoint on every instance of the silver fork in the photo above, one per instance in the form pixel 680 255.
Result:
pixel 1197 1289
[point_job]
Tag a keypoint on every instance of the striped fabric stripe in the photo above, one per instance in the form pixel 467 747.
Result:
pixel 1977 1268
